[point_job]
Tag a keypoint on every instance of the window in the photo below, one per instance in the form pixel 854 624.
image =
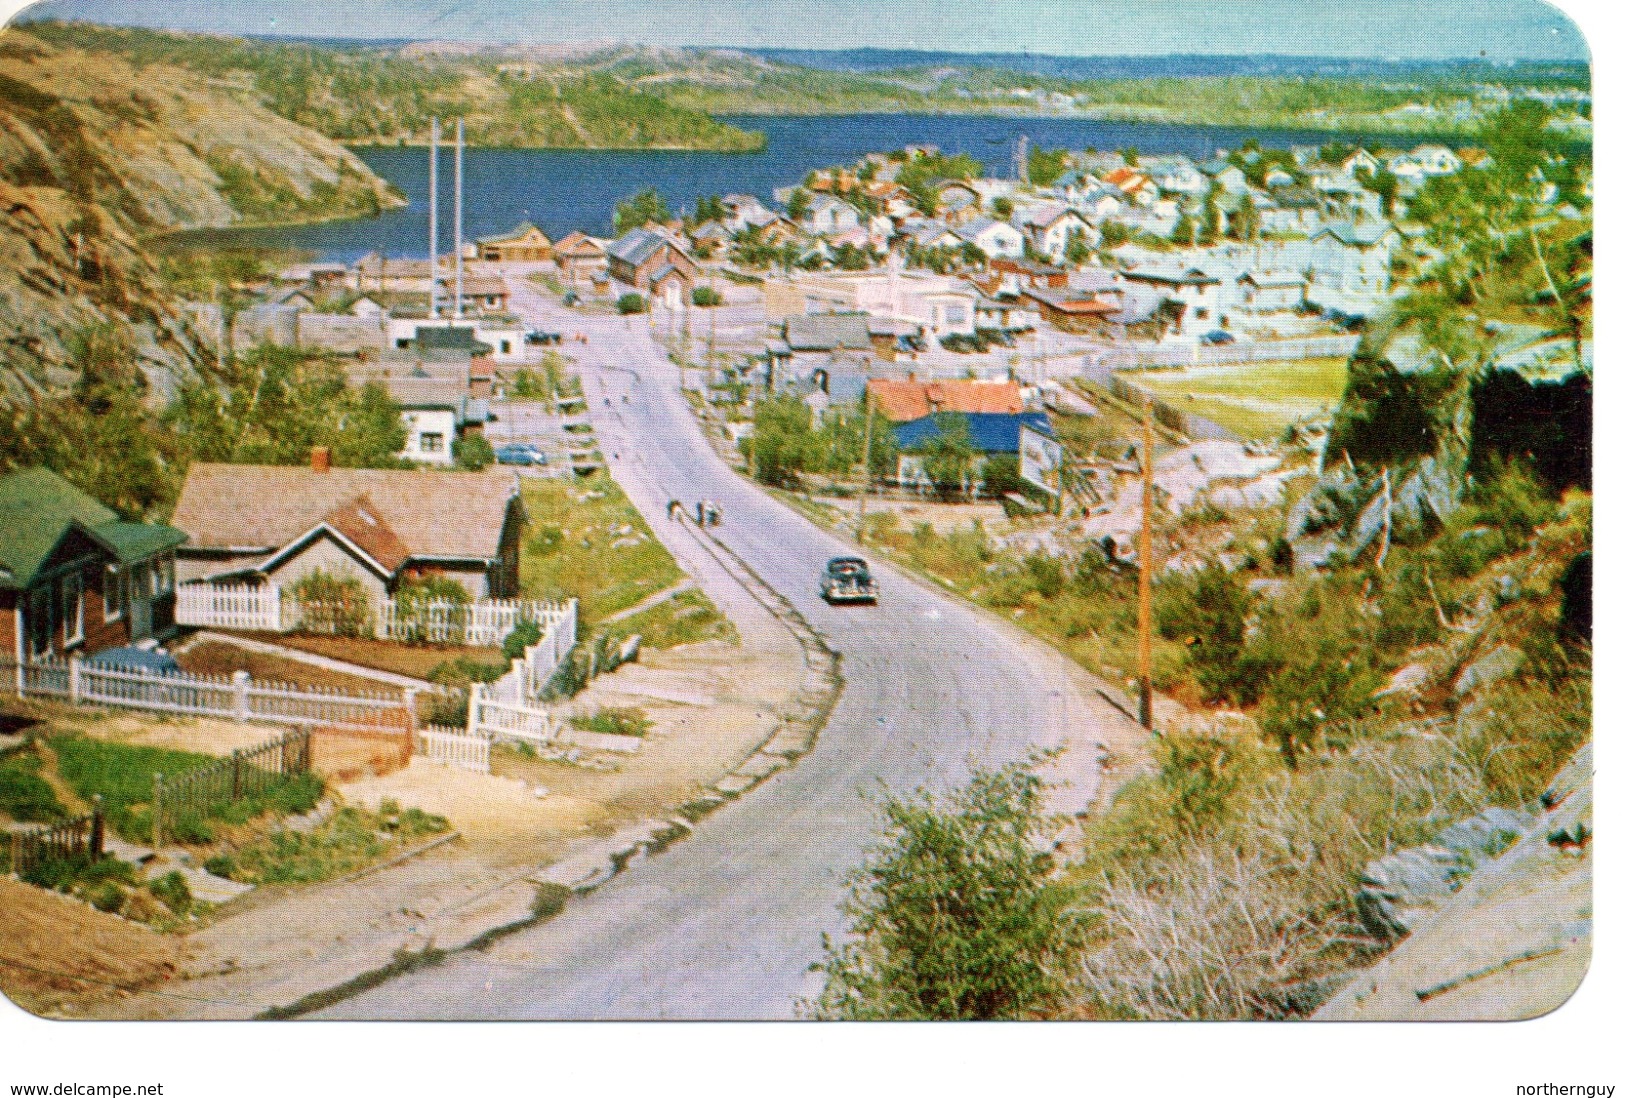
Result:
pixel 507 345
pixel 72 602
pixel 431 442
pixel 113 595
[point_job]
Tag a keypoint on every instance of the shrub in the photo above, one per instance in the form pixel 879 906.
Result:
pixel 525 633
pixel 171 888
pixel 706 298
pixel 628 304
pixel 1208 613
pixel 420 619
pixel 335 605
pixel 615 721
pixel 955 914
pixel 473 452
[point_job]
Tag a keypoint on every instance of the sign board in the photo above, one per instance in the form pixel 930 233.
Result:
pixel 1041 457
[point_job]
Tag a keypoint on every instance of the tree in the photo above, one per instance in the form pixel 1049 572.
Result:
pixel 472 452
pixel 370 431
pixel 956 914
pixel 950 454
pixel 1003 208
pixel 640 210
pixel 1044 167
pixel 799 205
pixel 1244 223
pixel 705 297
pixel 1077 248
pixel 627 304
pixel 1210 220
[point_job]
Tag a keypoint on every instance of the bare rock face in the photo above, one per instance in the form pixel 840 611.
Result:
pixel 96 153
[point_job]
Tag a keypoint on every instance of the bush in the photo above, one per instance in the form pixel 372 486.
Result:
pixel 171 888
pixel 416 610
pixel 706 298
pixel 628 304
pixel 1208 613
pixel 472 452
pixel 334 605
pixel 955 914
pixel 525 633
pixel 615 721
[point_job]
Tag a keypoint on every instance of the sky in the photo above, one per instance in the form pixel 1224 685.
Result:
pixel 1496 29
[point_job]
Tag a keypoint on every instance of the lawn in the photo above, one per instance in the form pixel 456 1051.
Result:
pixel 686 618
pixel 24 795
pixel 586 541
pixel 412 660
pixel 213 658
pixel 1256 400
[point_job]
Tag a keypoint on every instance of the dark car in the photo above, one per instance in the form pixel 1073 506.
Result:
pixel 847 579
pixel 520 453
pixel 1217 337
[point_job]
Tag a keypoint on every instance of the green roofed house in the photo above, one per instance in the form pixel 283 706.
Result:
pixel 74 577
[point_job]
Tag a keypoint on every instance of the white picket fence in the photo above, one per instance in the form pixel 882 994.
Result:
pixel 263 607
pixel 507 722
pixel 455 748
pixel 231 697
pixel 530 673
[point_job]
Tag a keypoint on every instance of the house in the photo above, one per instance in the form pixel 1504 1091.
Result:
pixel 436 412
pixel 994 239
pixel 1071 311
pixel 1224 174
pixel 710 236
pixel 74 577
pixel 1051 229
pixel 932 234
pixel 1177 175
pixel 1292 209
pixel 1425 161
pixel 1132 184
pixel 295 297
pixel 525 243
pixel 382 527
pixel 580 259
pixel 1278 176
pixel 367 306
pixel 1005 313
pixel 1271 291
pixel 481 293
pixel 907 401
pixel 828 216
pixel 1015 275
pixel 643 253
pixel 1354 257
pixel 957 201
pixel 1193 293
pixel 742 210
pixel 991 435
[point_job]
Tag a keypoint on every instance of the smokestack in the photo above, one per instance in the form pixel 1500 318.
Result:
pixel 321 459
pixel 457 305
pixel 434 217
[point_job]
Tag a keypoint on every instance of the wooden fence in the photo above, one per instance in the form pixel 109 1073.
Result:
pixel 456 748
pixel 264 607
pixel 236 697
pixel 54 842
pixel 245 773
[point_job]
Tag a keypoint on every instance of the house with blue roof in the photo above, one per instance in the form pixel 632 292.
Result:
pixel 992 434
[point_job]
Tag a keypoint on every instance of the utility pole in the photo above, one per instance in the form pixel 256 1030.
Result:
pixel 457 308
pixel 868 435
pixel 1145 571
pixel 434 219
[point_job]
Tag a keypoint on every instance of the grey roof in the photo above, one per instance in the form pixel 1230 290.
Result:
pixel 637 246
pixel 827 331
pixel 1356 234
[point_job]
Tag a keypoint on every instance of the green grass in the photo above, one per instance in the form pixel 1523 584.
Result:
pixel 348 841
pixel 615 721
pixel 24 795
pixel 571 552
pixel 685 618
pixel 1256 400
pixel 122 775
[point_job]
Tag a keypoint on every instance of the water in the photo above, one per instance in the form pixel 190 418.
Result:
pixel 563 190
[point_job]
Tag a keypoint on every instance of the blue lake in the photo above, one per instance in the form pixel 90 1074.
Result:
pixel 564 190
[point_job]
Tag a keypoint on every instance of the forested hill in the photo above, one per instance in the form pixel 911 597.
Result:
pixel 364 94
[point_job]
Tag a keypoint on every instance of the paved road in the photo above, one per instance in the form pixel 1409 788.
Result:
pixel 725 924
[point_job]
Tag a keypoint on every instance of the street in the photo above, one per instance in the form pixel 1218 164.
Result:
pixel 725 924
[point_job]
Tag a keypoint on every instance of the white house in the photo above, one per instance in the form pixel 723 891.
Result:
pixel 1195 289
pixel 1354 258
pixel 827 216
pixel 1270 291
pixel 1051 229
pixel 1424 162
pixel 1179 176
pixel 996 239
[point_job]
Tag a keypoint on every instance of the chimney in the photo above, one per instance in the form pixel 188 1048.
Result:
pixel 321 459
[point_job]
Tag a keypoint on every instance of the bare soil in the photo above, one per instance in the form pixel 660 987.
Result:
pixel 414 660
pixel 213 658
pixel 47 940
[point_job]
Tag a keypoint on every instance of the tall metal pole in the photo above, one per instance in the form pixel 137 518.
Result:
pixel 457 307
pixel 1145 572
pixel 434 218
pixel 868 434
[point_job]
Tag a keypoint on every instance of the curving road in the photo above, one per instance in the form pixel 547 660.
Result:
pixel 725 924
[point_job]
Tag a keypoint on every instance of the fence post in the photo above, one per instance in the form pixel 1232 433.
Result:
pixel 239 695
pixel 475 690
pixel 410 694
pixel 157 811
pixel 21 676
pixel 98 827
pixel 73 678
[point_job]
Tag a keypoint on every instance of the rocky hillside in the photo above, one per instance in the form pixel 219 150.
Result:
pixel 94 154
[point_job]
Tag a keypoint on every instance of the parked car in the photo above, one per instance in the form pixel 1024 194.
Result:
pixel 1218 336
pixel 540 339
pixel 847 579
pixel 520 453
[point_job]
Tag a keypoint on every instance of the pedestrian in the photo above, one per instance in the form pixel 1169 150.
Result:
pixel 699 512
pixel 716 514
pixel 672 507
